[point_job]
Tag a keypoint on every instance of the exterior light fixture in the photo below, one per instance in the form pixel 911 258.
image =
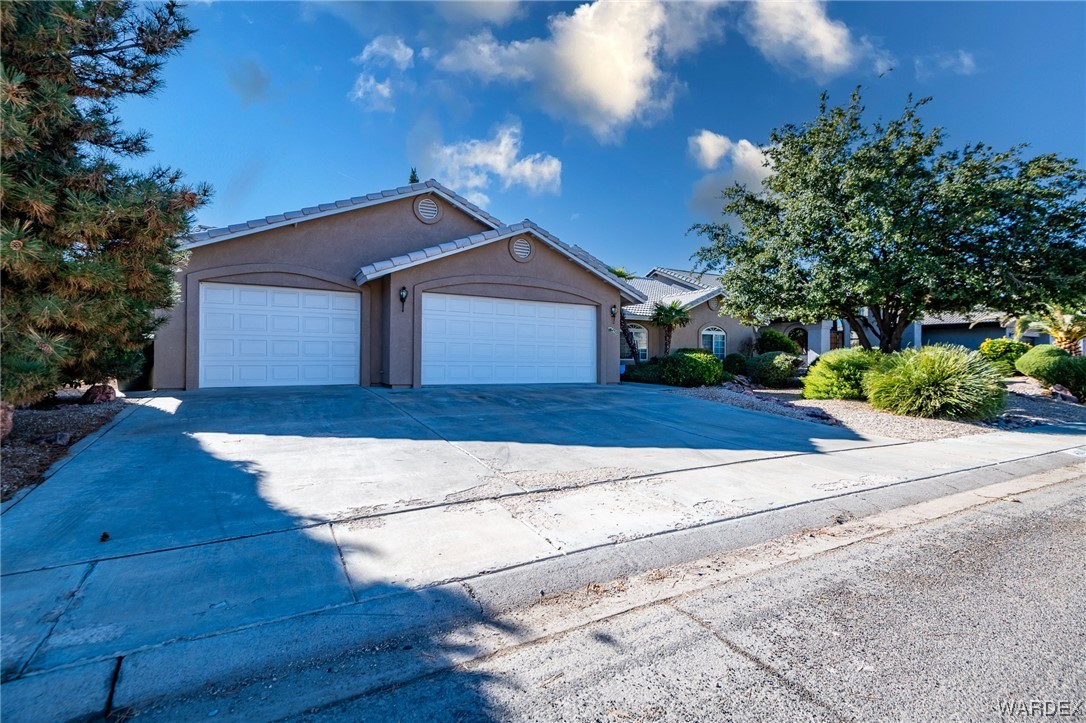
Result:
pixel 614 311
pixel 403 297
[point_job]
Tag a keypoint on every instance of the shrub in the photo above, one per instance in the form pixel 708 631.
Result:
pixel 643 373
pixel 735 364
pixel 691 368
pixel 839 374
pixel 1003 353
pixel 773 369
pixel 772 340
pixel 1070 371
pixel 938 381
pixel 1039 361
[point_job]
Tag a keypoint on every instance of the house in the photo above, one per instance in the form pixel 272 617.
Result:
pixel 406 287
pixel 971 330
pixel 699 293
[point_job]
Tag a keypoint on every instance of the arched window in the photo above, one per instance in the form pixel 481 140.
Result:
pixel 715 339
pixel 799 336
pixel 641 339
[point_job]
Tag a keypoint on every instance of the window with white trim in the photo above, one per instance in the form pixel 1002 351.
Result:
pixel 641 339
pixel 715 340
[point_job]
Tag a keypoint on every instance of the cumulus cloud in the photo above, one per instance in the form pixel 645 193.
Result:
pixel 601 66
pixel 249 80
pixel 958 62
pixel 387 49
pixel 733 162
pixel 373 94
pixel 799 34
pixel 469 167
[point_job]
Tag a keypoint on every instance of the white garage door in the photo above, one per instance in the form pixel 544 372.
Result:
pixel 479 340
pixel 261 336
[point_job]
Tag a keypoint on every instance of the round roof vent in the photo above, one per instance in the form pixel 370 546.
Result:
pixel 427 210
pixel 521 248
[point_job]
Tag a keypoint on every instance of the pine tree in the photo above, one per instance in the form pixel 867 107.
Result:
pixel 88 250
pixel 414 177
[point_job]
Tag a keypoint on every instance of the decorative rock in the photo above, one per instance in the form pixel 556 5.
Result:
pixel 99 394
pixel 7 419
pixel 1063 393
pixel 61 438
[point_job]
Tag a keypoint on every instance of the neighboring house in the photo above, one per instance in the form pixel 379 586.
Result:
pixel 700 295
pixel 971 330
pixel 407 287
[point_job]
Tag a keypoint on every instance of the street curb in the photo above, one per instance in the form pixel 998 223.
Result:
pixel 188 666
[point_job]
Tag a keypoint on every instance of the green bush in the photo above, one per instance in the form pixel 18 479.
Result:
pixel 691 368
pixel 1039 361
pixel 735 364
pixel 643 373
pixel 1003 353
pixel 839 374
pixel 773 369
pixel 772 340
pixel 937 381
pixel 1070 371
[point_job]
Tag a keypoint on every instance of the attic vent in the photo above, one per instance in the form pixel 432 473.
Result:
pixel 521 248
pixel 427 209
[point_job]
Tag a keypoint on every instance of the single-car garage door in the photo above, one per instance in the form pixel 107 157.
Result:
pixel 480 340
pixel 258 336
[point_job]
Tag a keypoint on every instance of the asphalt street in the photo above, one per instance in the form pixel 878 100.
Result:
pixel 976 616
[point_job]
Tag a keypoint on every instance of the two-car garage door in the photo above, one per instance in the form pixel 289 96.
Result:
pixel 481 340
pixel 256 336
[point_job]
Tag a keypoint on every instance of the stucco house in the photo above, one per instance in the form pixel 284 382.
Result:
pixel 971 330
pixel 406 287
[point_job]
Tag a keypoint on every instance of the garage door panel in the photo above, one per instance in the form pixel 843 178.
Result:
pixel 265 336
pixel 479 340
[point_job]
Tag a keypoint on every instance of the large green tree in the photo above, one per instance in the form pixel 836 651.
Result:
pixel 879 224
pixel 88 249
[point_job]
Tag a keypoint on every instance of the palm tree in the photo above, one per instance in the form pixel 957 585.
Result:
pixel 667 318
pixel 1067 328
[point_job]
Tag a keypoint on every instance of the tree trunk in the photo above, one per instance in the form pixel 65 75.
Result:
pixel 624 326
pixel 667 340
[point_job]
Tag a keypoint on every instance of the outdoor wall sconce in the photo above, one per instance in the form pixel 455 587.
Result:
pixel 403 297
pixel 614 311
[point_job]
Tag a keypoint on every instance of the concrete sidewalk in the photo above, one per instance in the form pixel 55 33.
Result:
pixel 251 529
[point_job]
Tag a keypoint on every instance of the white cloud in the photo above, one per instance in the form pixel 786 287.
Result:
pixel 376 96
pixel 496 12
pixel 601 65
pixel 797 33
pixel 470 166
pixel 709 148
pixel 745 165
pixel 958 62
pixel 386 49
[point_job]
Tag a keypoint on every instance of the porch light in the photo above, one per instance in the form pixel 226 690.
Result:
pixel 403 297
pixel 614 311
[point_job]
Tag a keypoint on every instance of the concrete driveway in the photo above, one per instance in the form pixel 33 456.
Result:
pixel 230 509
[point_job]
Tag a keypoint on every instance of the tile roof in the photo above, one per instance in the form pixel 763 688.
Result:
pixel 203 235
pixel 576 253
pixel 946 319
pixel 662 292
pixel 701 279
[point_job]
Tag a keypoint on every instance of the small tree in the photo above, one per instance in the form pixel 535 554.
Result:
pixel 1067 327
pixel 878 225
pixel 88 250
pixel 667 317
pixel 414 177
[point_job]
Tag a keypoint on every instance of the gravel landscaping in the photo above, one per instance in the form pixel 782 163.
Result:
pixel 1028 404
pixel 37 438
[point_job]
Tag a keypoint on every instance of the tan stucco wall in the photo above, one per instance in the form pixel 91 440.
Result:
pixel 322 253
pixel 689 336
pixel 491 271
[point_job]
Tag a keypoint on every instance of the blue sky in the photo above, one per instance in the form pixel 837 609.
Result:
pixel 613 125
